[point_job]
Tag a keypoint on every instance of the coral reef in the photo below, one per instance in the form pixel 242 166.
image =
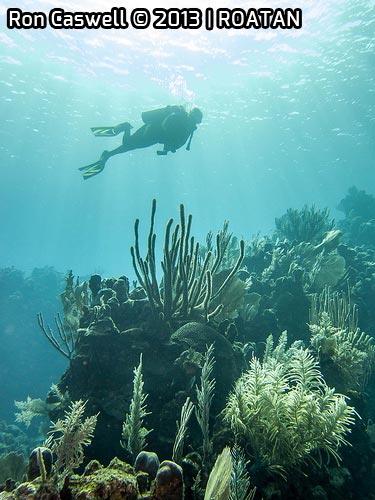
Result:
pixel 23 367
pixel 196 329
pixel 346 354
pixel 115 482
pixel 13 438
pixel 360 264
pixel 359 222
pixel 148 479
pixel 12 465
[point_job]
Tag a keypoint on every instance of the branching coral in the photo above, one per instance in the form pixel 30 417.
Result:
pixel 336 339
pixel 187 285
pixel 339 309
pixel 37 407
pixel 307 224
pixel 29 409
pixel 285 411
pixel 73 299
pixel 66 339
pixel 68 436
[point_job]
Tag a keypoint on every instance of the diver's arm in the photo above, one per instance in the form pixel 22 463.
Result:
pixel 167 150
pixel 176 130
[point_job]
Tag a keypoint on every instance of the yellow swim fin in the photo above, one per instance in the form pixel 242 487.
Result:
pixel 105 131
pixel 93 169
pixel 111 131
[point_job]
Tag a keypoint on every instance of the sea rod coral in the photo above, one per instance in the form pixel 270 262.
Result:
pixel 186 288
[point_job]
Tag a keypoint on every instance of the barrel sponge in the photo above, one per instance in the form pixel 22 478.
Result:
pixel 147 461
pixel 34 469
pixel 169 482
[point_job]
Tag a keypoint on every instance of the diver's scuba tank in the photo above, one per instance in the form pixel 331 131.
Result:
pixel 159 114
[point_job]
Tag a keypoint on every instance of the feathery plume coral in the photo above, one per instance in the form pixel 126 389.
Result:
pixel 133 432
pixel 68 436
pixel 204 396
pixel 286 411
pixel 29 409
pixel 178 446
pixel 240 480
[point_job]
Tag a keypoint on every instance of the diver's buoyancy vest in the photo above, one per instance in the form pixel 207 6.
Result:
pixel 158 115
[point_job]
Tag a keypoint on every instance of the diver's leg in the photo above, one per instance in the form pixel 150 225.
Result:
pixel 108 154
pixel 97 167
pixel 111 131
pixel 121 149
pixel 124 127
pixel 144 137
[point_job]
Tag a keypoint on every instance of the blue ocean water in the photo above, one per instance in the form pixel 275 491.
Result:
pixel 288 120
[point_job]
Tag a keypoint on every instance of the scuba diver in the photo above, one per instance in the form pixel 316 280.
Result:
pixel 171 126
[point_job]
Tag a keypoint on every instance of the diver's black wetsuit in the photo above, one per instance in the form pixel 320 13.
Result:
pixel 172 131
pixel 171 126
